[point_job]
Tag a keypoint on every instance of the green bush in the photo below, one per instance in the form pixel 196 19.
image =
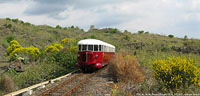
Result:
pixel 58 26
pixel 146 33
pixel 65 28
pixel 165 48
pixel 22 22
pixel 15 20
pixel 55 47
pixel 141 31
pixel 114 30
pixel 27 24
pixel 9 25
pixel 125 31
pixel 93 37
pixel 171 36
pixel 85 37
pixel 29 77
pixel 66 58
pixel 176 73
pixel 9 39
pixel 127 38
pixel 8 19
pixel 72 27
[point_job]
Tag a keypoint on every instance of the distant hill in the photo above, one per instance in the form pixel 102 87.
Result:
pixel 39 36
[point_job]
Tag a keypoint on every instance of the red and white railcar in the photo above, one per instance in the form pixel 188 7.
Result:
pixel 94 53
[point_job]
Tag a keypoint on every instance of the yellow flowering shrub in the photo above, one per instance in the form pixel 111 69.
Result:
pixel 67 40
pixel 15 48
pixel 51 48
pixel 73 48
pixel 58 45
pixel 13 45
pixel 14 42
pixel 55 47
pixel 16 51
pixel 197 77
pixel 11 48
pixel 32 52
pixel 176 72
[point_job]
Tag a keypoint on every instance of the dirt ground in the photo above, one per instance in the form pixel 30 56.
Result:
pixel 99 85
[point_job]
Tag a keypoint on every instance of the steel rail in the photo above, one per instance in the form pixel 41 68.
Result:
pixel 61 84
pixel 76 85
pixel 68 93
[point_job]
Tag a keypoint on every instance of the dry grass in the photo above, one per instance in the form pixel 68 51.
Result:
pixel 125 68
pixel 7 84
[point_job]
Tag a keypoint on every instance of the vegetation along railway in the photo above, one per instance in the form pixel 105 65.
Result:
pixel 92 55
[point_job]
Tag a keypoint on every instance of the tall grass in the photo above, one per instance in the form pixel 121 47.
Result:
pixel 125 68
pixel 7 83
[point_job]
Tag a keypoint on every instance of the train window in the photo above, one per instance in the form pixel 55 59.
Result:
pixel 100 48
pixel 95 47
pixel 79 47
pixel 90 47
pixel 84 47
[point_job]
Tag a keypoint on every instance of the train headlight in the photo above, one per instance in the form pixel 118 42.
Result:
pixel 96 56
pixel 78 55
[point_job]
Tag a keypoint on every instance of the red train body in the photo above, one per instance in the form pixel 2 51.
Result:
pixel 94 53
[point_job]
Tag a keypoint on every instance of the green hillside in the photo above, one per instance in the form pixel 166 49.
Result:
pixel 39 36
pixel 28 34
pixel 144 45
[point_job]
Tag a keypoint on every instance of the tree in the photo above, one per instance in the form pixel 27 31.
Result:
pixel 8 19
pixel 125 31
pixel 185 37
pixel 15 20
pixel 72 27
pixel 141 31
pixel 146 33
pixel 171 36
pixel 114 30
pixel 58 26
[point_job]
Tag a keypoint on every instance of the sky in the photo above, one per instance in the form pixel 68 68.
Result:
pixel 176 17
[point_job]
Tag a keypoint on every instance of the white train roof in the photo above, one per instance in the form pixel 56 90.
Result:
pixel 94 42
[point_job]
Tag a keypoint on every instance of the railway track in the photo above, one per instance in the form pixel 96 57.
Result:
pixel 67 87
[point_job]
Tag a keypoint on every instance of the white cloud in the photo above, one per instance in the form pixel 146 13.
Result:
pixel 178 17
pixel 12 10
